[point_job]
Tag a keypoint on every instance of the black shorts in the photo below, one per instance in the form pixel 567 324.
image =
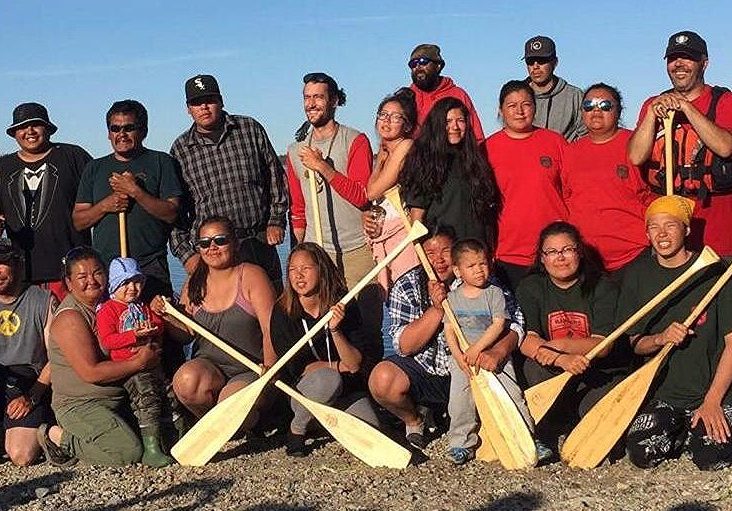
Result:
pixel 424 388
pixel 16 381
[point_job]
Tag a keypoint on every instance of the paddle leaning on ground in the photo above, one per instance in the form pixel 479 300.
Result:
pixel 363 440
pixel 215 428
pixel 502 426
pixel 601 428
pixel 541 397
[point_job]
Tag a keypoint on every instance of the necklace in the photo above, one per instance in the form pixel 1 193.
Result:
pixel 318 177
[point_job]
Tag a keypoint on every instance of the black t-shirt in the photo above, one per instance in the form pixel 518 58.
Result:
pixel 39 224
pixel 555 313
pixel 147 237
pixel 688 372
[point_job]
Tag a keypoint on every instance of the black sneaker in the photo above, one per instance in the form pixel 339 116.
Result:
pixel 296 446
pixel 417 440
pixel 55 455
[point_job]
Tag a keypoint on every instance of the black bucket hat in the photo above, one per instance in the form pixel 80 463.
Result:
pixel 30 112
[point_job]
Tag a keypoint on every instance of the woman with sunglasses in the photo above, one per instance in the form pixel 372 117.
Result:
pixel 569 306
pixel 330 369
pixel 528 164
pixel 604 192
pixel 91 406
pixel 396 118
pixel 234 301
pixel 446 179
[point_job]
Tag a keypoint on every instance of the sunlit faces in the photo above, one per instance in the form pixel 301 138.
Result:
pixel 438 249
pixel 216 255
pixel 87 280
pixel 129 291
pixel 473 268
pixel 517 111
pixel 206 112
pixel 7 278
pixel 685 73
pixel 32 138
pixel 390 122
pixel 457 124
pixel 425 73
pixel 666 234
pixel 319 106
pixel 541 69
pixel 124 133
pixel 598 120
pixel 303 273
pixel 561 259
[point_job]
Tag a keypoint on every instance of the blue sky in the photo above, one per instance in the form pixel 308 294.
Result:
pixel 77 57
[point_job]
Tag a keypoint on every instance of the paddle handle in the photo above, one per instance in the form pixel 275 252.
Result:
pixel 316 207
pixel 122 216
pixel 707 257
pixel 668 146
pixel 716 288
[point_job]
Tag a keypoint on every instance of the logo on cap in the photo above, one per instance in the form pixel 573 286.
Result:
pixel 536 45
pixel 199 83
pixel 682 39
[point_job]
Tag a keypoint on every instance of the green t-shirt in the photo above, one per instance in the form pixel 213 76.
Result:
pixel 688 372
pixel 555 313
pixel 147 237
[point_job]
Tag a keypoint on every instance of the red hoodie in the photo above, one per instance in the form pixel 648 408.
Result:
pixel 447 89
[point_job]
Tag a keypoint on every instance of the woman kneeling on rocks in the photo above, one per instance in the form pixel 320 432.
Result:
pixel 90 404
pixel 329 369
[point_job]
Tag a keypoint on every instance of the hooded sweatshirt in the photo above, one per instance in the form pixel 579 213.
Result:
pixel 560 110
pixel 447 89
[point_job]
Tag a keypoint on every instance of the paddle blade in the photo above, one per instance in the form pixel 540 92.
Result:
pixel 601 428
pixel 485 452
pixel 214 429
pixel 506 429
pixel 541 396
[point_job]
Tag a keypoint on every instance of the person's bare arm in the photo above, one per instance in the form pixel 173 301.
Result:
pixel 640 144
pixel 162 209
pixel 86 215
pixel 388 173
pixel 710 412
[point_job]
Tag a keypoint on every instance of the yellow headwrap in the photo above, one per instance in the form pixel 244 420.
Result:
pixel 679 207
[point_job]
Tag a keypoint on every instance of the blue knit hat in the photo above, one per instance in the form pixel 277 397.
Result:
pixel 121 270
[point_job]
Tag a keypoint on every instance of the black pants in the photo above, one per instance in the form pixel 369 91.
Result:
pixel 661 432
pixel 252 250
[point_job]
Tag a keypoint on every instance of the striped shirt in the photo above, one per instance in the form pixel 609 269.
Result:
pixel 239 177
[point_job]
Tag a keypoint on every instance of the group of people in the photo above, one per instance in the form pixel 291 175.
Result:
pixel 542 238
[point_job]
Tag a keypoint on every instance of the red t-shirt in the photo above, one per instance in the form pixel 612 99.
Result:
pixel 114 328
pixel 606 197
pixel 711 224
pixel 528 172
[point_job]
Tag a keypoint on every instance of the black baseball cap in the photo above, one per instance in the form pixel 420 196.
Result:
pixel 201 86
pixel 687 43
pixel 540 46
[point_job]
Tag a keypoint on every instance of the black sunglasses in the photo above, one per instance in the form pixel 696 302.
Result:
pixel 124 128
pixel 220 240
pixel 538 60
pixel 419 61
pixel 588 105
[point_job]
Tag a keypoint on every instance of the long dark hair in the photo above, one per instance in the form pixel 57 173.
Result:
pixel 406 99
pixel 197 282
pixel 590 266
pixel 331 285
pixel 431 158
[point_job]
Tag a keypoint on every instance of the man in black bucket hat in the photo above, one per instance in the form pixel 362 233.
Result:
pixel 37 193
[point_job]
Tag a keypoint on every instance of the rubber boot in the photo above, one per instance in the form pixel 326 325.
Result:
pixel 152 455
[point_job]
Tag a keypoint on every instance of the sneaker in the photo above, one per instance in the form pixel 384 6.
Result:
pixel 460 455
pixel 55 455
pixel 417 440
pixel 295 446
pixel 543 452
pixel 416 434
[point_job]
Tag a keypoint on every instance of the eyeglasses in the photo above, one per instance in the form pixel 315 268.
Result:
pixel 553 253
pixel 220 240
pixel 394 117
pixel 419 61
pixel 588 105
pixel 124 128
pixel 538 60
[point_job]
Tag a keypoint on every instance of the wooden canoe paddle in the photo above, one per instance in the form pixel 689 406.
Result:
pixel 601 428
pixel 316 206
pixel 503 427
pixel 220 423
pixel 668 146
pixel 542 396
pixel 122 216
pixel 363 440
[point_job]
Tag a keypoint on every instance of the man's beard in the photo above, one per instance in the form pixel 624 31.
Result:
pixel 428 83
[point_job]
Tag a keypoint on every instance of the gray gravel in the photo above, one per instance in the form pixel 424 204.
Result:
pixel 256 475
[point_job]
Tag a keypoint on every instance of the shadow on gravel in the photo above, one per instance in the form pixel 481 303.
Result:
pixel 693 506
pixel 519 501
pixel 273 506
pixel 201 492
pixel 23 492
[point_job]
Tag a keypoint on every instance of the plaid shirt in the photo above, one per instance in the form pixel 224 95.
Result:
pixel 240 177
pixel 409 299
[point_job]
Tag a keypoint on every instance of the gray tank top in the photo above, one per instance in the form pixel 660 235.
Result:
pixel 21 329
